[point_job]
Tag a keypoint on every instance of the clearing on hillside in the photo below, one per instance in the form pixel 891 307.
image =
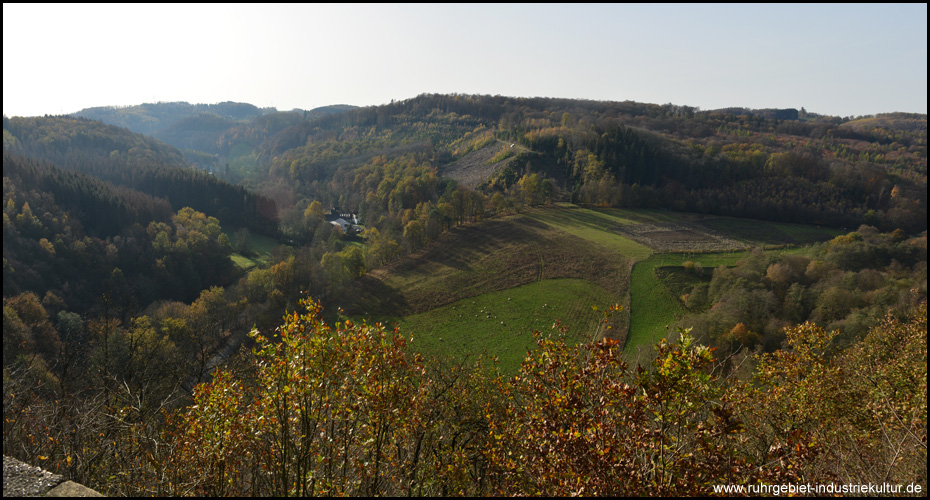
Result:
pixel 428 291
pixel 680 237
pixel 663 231
pixel 489 256
pixel 476 167
pixel 258 246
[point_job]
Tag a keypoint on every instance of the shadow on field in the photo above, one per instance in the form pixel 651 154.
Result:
pixel 369 296
pixel 488 256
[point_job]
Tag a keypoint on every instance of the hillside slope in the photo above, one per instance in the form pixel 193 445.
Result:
pixel 489 256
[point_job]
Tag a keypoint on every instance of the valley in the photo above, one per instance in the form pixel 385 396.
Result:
pixel 474 291
pixel 525 273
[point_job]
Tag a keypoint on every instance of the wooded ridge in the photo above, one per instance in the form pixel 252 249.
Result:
pixel 781 253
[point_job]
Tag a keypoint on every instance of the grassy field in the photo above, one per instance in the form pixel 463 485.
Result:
pixel 484 288
pixel 653 305
pixel 564 256
pixel 654 297
pixel 242 262
pixel 501 323
pixel 493 255
pixel 594 226
pixel 259 246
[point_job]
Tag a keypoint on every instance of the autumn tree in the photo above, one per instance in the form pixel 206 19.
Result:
pixel 333 410
pixel 414 235
pixel 581 423
pixel 817 413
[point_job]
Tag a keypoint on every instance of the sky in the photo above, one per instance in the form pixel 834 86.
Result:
pixel 832 59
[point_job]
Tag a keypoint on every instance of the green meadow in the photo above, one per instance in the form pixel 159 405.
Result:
pixel 596 226
pixel 259 249
pixel 653 306
pixel 500 324
pixel 484 289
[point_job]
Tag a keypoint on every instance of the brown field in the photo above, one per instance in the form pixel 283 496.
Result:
pixel 680 237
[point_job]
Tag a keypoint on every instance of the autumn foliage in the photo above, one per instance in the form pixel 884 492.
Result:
pixel 341 410
pixel 347 410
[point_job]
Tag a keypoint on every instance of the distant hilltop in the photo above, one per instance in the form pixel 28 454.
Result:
pixel 152 118
pixel 769 113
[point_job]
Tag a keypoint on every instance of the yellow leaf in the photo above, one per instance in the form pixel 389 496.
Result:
pixel 43 457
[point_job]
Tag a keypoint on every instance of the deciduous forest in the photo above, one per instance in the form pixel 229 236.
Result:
pixel 185 314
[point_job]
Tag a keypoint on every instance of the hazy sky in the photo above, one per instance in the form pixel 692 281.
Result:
pixel 832 59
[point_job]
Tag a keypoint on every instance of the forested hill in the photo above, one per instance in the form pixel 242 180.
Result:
pixel 61 138
pixel 94 210
pixel 833 171
pixel 99 208
pixel 123 283
pixel 199 127
pixel 153 118
pixel 150 118
pixel 777 164
pixel 137 162
pixel 383 161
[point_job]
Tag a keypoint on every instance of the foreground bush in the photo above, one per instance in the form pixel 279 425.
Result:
pixel 348 410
